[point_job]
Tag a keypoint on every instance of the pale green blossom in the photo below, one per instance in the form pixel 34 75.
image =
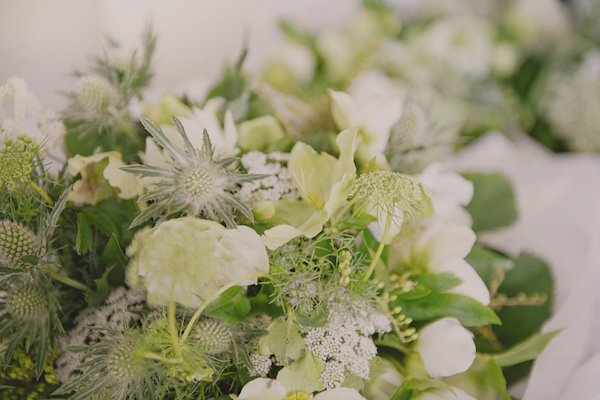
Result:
pixel 323 182
pixel 188 259
pixel 101 174
pixel 162 113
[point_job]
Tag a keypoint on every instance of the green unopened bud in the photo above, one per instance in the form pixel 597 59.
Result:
pixel 124 361
pixel 408 132
pixel 16 242
pixel 96 93
pixel 17 161
pixel 212 337
pixel 257 134
pixel 29 301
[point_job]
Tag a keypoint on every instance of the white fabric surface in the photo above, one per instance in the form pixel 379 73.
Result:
pixel 558 200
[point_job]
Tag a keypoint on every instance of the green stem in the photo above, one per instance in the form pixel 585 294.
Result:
pixel 154 356
pixel 173 329
pixel 67 281
pixel 215 296
pixel 40 191
pixel 388 222
pixel 341 213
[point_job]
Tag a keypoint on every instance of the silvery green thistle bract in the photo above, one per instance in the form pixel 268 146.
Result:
pixel 197 184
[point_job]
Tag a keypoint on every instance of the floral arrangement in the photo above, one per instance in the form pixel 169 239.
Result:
pixel 288 236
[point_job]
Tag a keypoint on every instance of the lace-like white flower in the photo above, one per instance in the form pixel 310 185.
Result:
pixel 276 186
pixel 344 344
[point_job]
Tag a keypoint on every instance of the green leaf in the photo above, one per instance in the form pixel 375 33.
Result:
pixel 303 375
pixel 468 311
pixel 496 378
pixel 413 387
pixel 487 262
pixel 100 220
pixel 526 350
pixel 318 319
pixel 437 283
pixel 84 239
pixel 530 276
pixel 493 205
pixel 262 303
pixel 393 342
pixel 102 289
pixel 359 221
pixel 233 305
pixel 284 341
pixel 9 270
pixel 113 254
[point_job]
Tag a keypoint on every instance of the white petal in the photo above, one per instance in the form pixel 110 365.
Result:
pixel 279 235
pixel 263 389
pixel 338 394
pixel 446 348
pixel 446 242
pixel 472 285
pixel 343 110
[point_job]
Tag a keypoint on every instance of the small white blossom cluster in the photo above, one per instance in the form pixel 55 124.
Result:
pixel 116 310
pixel 345 345
pixel 24 106
pixel 262 364
pixel 275 187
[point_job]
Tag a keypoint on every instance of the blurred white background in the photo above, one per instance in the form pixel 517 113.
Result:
pixel 42 41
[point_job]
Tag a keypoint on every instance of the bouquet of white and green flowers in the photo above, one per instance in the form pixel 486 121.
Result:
pixel 285 237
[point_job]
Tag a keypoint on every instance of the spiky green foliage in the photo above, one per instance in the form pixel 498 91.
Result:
pixel 28 316
pixel 196 184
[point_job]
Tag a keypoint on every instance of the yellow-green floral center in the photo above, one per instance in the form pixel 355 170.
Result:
pixel 299 396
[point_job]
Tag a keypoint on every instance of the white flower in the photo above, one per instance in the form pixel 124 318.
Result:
pixel 442 247
pixel 462 42
pixel 297 59
pixel 372 106
pixel 445 347
pixel 187 259
pixel 271 389
pixel 450 192
pixel 223 138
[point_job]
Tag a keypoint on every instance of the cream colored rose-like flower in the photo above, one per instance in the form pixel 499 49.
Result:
pixel 188 259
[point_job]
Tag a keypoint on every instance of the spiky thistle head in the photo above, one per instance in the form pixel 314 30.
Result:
pixel 211 336
pixel 16 242
pixel 96 94
pixel 28 315
pixel 17 161
pixel 389 191
pixel 197 183
pixel 116 368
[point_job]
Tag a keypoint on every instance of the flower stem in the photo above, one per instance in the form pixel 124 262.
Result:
pixel 40 191
pixel 215 296
pixel 67 281
pixel 388 222
pixel 153 356
pixel 342 212
pixel 173 329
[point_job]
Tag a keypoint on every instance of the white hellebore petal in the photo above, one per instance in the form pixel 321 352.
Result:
pixel 450 192
pixel 371 107
pixel 271 389
pixel 324 183
pixel 223 139
pixel 446 348
pixel 471 286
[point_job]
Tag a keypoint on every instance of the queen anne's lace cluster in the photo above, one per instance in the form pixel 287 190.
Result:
pixel 275 187
pixel 345 345
pixel 112 314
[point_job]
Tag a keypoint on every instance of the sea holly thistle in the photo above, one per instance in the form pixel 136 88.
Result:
pixel 197 183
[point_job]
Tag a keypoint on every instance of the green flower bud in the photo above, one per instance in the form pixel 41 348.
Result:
pixel 212 337
pixel 29 301
pixel 96 94
pixel 16 241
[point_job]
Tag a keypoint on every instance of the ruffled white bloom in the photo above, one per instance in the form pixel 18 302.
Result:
pixel 445 347
pixel 271 389
pixel 187 259
pixel 372 105
pixel 223 138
